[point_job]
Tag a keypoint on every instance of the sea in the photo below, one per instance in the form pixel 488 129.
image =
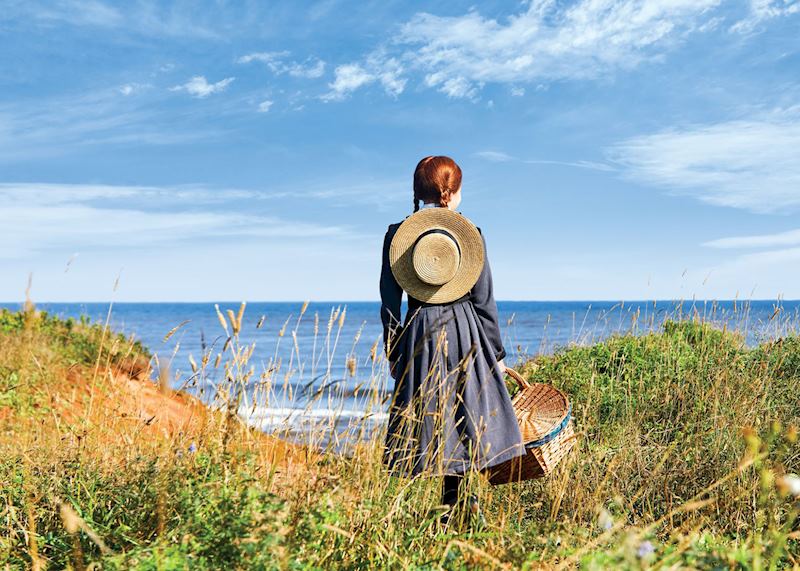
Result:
pixel 315 372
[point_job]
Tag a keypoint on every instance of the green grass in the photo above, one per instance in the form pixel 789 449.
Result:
pixel 665 415
pixel 685 436
pixel 78 342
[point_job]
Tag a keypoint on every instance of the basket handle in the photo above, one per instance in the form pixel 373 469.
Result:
pixel 523 384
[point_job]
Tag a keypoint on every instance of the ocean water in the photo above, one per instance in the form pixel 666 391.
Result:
pixel 321 376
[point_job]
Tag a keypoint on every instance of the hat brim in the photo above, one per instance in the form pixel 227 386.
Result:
pixel 469 243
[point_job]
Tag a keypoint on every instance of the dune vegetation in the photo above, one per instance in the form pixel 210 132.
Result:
pixel 687 457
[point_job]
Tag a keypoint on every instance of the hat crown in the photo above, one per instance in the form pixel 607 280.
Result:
pixel 436 255
pixel 436 258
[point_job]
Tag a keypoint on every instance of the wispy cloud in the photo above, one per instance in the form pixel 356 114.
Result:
pixel 77 217
pixel 770 257
pixel 78 12
pixel 131 88
pixel 501 157
pixel 349 77
pixel 272 59
pixel 59 125
pixel 144 18
pixel 199 87
pixel 762 10
pixel 61 193
pixel 547 41
pixel 363 193
pixel 750 163
pixel 80 217
pixel 311 68
pixel 377 68
pixel 495 156
pixel 265 106
pixel 454 87
pixel 758 275
pixel 789 238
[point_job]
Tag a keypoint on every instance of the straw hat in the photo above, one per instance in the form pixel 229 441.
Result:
pixel 436 255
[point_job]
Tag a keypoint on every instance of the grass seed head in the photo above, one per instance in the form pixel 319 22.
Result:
pixel 233 320
pixel 240 315
pixel 72 521
pixel 221 318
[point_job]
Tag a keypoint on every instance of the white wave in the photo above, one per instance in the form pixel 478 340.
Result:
pixel 264 416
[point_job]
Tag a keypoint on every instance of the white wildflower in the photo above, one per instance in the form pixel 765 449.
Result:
pixel 790 484
pixel 604 519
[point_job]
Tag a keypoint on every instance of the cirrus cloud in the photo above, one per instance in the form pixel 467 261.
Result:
pixel 198 86
pixel 789 238
pixel 762 10
pixel 751 164
pixel 311 68
pixel 46 216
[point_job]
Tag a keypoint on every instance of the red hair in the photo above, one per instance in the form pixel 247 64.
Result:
pixel 436 179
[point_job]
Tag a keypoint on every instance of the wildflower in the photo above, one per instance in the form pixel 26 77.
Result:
pixel 192 448
pixel 790 485
pixel 604 520
pixel 645 550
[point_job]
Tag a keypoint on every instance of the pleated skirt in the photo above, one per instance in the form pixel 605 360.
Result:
pixel 450 410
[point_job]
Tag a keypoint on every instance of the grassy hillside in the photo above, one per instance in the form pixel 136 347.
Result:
pixel 688 443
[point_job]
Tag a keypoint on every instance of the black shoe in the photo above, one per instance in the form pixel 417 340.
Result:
pixel 445 518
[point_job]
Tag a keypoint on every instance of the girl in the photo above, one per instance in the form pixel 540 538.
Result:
pixel 450 411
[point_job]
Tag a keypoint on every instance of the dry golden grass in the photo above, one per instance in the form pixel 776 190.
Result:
pixel 688 443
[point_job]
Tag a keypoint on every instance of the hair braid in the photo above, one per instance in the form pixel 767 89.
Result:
pixel 444 197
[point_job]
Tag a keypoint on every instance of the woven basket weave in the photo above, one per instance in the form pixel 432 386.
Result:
pixel 544 415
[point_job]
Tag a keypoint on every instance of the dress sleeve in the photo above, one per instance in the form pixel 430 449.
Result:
pixel 482 297
pixel 391 301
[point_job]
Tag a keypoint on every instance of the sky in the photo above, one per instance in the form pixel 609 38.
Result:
pixel 204 151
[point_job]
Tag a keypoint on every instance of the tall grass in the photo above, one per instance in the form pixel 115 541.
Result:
pixel 686 457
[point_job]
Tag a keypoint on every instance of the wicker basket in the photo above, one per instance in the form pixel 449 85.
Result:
pixel 544 414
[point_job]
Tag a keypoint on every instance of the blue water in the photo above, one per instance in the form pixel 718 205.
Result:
pixel 302 374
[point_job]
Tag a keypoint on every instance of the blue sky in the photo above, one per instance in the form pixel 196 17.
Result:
pixel 611 149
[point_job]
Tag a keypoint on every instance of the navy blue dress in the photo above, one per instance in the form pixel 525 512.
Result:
pixel 450 410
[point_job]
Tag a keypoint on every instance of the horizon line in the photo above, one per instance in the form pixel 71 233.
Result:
pixel 341 301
